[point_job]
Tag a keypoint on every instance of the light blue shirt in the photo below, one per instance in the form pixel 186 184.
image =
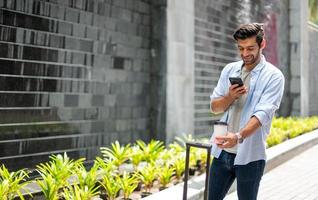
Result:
pixel 263 99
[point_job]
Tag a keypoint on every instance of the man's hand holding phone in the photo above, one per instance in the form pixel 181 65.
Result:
pixel 237 88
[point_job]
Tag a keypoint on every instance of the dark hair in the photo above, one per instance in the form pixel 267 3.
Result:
pixel 249 30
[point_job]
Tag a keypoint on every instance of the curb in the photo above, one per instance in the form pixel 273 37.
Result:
pixel 276 156
pixel 285 151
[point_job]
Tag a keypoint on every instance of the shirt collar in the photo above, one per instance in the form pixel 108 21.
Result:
pixel 256 69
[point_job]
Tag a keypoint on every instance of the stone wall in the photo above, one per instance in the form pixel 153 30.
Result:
pixel 214 48
pixel 74 76
pixel 312 67
pixel 158 71
pixel 180 68
pixel 299 73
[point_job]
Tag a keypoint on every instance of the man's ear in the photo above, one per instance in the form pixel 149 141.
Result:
pixel 263 43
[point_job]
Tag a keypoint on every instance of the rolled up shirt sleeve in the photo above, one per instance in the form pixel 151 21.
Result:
pixel 270 99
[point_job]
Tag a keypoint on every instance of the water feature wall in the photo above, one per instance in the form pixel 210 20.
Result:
pixel 74 76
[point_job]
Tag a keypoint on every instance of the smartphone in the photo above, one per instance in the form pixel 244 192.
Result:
pixel 236 80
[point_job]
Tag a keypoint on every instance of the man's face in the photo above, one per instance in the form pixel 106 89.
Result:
pixel 249 51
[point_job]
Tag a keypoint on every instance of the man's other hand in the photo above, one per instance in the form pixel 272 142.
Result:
pixel 228 141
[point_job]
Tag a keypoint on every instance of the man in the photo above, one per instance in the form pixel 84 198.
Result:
pixel 248 110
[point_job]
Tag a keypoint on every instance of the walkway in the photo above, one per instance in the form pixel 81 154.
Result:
pixel 296 179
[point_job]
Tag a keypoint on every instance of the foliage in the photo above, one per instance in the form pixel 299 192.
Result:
pixel 48 186
pixel 194 152
pixel 87 178
pixel 179 167
pixel 117 154
pixel 313 11
pixel 165 157
pixel 202 155
pixel 136 156
pixel 290 127
pixel 276 136
pixel 147 175
pixel 77 192
pixel 110 184
pixel 12 183
pixel 59 167
pixel 176 148
pixel 128 184
pixel 151 150
pixel 55 173
pixel 165 175
pixel 105 165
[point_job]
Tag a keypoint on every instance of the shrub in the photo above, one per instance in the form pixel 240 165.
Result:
pixel 290 127
pixel 147 175
pixel 117 154
pixel 165 175
pixel 12 183
pixel 151 150
pixel 128 184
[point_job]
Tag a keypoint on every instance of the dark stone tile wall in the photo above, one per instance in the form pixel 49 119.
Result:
pixel 214 48
pixel 74 76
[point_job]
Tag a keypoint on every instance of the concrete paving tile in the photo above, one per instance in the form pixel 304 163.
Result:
pixel 297 179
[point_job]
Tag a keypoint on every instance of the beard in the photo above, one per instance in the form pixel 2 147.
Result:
pixel 251 59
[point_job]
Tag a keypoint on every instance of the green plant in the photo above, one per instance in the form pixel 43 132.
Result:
pixel 12 183
pixel 150 150
pixel 177 148
pixel 59 167
pixel 4 189
pixel 193 158
pixel 48 186
pixel 147 175
pixel 77 192
pixel 110 184
pixel 313 11
pixel 165 175
pixel 105 165
pixel 128 184
pixel 87 178
pixel 55 173
pixel 290 127
pixel 136 156
pixel 179 167
pixel 117 154
pixel 277 136
pixel 202 155
pixel 165 157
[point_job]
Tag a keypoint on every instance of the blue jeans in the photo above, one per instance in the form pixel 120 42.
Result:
pixel 223 172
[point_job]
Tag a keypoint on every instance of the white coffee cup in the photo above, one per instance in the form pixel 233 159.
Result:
pixel 220 129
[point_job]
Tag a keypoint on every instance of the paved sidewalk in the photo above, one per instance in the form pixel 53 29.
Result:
pixel 296 179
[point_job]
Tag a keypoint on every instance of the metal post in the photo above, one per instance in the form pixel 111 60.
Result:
pixel 208 161
pixel 186 173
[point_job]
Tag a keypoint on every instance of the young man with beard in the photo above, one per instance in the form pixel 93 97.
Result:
pixel 248 110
